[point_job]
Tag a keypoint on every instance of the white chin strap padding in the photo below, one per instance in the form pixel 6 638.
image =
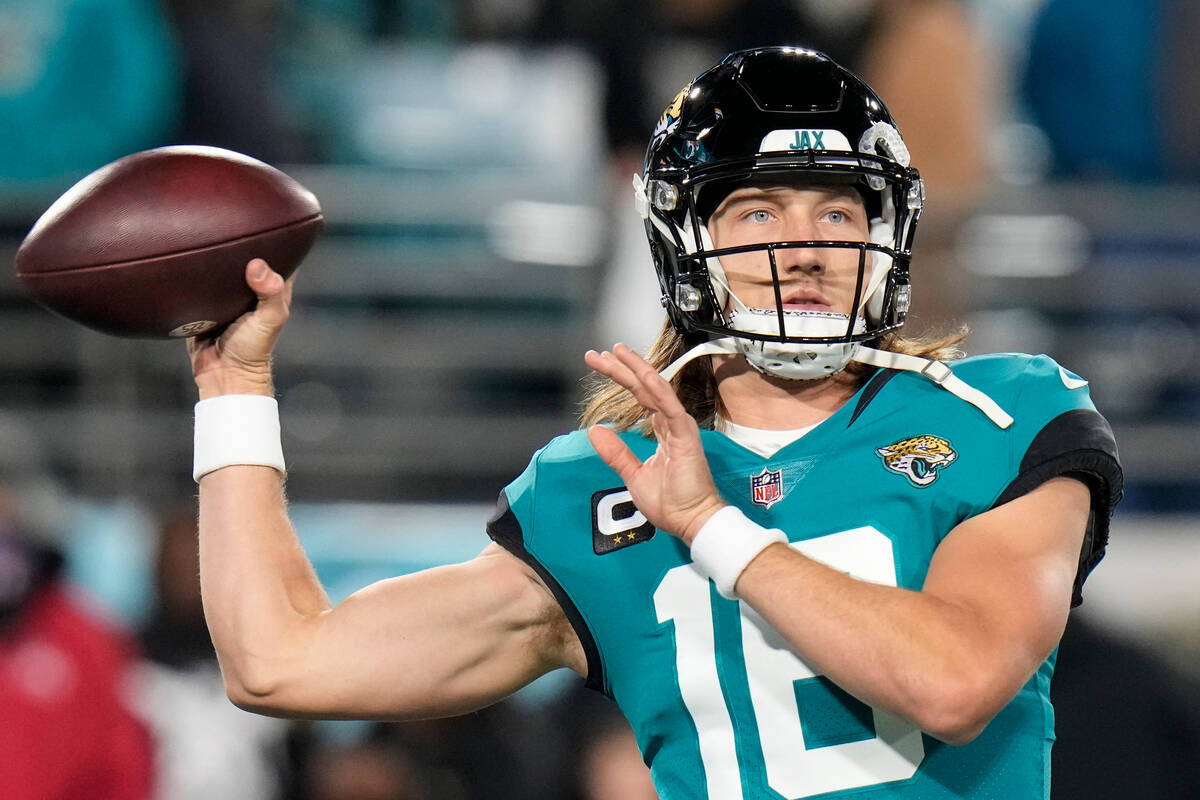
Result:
pixel 794 361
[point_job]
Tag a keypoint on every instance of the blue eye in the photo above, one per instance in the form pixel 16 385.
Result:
pixel 836 217
pixel 759 216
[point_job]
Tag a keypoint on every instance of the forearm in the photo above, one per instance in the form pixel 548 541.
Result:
pixel 992 607
pixel 258 586
pixel 927 659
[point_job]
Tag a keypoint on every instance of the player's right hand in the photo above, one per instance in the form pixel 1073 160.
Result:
pixel 238 360
pixel 674 487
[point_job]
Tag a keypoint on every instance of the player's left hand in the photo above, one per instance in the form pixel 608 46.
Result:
pixel 673 488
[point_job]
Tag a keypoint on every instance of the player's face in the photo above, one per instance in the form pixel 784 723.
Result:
pixel 815 279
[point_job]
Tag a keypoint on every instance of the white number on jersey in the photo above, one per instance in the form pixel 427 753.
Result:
pixel 793 769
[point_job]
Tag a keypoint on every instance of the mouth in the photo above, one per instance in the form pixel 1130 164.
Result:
pixel 805 300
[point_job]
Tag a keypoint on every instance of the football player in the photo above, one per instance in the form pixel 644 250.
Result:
pixel 805 555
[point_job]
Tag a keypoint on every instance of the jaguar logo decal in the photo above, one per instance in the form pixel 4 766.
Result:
pixel 920 459
pixel 671 115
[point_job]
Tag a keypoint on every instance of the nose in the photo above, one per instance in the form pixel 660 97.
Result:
pixel 801 259
pixel 800 227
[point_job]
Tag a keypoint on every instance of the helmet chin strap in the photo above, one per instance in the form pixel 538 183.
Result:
pixel 936 371
pixel 724 346
pixel 797 361
pixel 940 373
pixel 789 360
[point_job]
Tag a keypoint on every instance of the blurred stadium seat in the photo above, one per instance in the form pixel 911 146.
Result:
pixel 439 323
pixel 1104 278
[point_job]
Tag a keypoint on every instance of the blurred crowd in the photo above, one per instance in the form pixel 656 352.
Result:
pixel 94 79
pixel 97 710
pixel 1039 95
pixel 94 710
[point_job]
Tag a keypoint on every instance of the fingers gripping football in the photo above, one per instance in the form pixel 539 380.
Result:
pixel 673 488
pixel 238 361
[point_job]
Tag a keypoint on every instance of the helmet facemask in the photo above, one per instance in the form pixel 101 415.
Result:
pixel 784 342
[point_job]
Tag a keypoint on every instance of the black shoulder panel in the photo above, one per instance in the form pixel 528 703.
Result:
pixel 868 394
pixel 1078 443
pixel 505 530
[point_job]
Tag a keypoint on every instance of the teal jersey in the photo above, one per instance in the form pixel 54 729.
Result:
pixel 720 705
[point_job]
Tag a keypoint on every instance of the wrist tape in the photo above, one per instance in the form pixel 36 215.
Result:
pixel 236 429
pixel 727 543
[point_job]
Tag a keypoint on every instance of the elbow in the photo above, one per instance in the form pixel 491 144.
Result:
pixel 253 688
pixel 278 679
pixel 956 714
pixel 250 700
pixel 955 729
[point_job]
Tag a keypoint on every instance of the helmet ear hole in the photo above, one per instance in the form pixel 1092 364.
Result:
pixel 881 264
pixel 716 272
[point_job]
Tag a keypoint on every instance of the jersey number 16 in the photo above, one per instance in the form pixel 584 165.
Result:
pixel 794 768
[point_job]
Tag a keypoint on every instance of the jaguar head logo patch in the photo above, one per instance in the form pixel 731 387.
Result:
pixel 920 459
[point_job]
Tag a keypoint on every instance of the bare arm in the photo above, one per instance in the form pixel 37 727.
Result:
pixel 440 642
pixel 948 657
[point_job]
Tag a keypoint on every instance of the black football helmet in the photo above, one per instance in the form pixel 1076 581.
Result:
pixel 792 113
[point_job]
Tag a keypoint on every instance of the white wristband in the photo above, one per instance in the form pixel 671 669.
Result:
pixel 726 544
pixel 236 429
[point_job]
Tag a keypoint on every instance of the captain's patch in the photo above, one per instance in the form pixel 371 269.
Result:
pixel 616 522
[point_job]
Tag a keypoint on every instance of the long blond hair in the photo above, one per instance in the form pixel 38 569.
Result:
pixel 606 401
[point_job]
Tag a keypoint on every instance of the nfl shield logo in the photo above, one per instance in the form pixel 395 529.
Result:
pixel 766 488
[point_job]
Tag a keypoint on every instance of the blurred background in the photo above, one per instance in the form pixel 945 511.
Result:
pixel 473 160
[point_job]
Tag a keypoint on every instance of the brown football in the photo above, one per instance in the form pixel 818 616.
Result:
pixel 155 245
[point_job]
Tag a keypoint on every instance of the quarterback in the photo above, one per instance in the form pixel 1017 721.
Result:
pixel 807 556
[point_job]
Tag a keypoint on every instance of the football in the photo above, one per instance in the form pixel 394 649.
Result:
pixel 155 245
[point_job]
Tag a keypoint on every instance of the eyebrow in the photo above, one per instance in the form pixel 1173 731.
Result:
pixel 751 193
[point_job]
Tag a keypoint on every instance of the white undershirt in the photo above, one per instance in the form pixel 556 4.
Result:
pixel 765 443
